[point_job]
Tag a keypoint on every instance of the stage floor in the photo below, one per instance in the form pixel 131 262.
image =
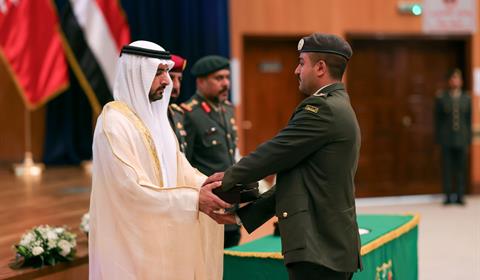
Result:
pixel 60 197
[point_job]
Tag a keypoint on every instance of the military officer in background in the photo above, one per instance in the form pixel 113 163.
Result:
pixel 315 158
pixel 210 124
pixel 453 131
pixel 175 113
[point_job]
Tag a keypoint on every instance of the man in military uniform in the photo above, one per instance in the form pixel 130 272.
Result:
pixel 175 113
pixel 210 124
pixel 315 157
pixel 453 131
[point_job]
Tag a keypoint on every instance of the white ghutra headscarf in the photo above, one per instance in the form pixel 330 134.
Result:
pixel 135 74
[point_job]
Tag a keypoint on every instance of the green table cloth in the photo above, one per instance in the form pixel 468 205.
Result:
pixel 389 251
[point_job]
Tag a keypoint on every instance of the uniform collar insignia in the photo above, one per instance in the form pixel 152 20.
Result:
pixel 206 107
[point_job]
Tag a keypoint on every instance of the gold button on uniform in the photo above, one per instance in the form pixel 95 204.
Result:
pixel 228 135
pixel 214 142
pixel 231 151
pixel 285 214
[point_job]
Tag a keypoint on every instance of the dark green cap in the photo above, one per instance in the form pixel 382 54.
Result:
pixel 325 43
pixel 209 64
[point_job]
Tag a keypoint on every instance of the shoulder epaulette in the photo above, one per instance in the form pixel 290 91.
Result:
pixel 189 105
pixel 186 107
pixel 176 108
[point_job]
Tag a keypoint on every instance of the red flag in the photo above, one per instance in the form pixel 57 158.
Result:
pixel 31 47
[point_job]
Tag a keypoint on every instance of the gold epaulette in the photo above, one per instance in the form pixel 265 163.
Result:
pixel 176 108
pixel 186 107
pixel 189 105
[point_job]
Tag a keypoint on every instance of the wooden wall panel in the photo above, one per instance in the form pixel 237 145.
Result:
pixel 12 123
pixel 342 17
pixel 275 17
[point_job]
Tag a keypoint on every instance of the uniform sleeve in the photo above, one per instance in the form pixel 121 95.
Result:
pixel 258 212
pixel 307 131
pixel 191 135
pixel 120 168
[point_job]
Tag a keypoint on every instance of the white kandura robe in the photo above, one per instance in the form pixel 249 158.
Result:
pixel 138 228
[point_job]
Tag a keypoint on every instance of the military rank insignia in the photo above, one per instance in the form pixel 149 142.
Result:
pixel 205 107
pixel 311 108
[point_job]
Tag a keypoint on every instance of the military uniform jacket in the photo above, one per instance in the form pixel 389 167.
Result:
pixel 176 116
pixel 315 157
pixel 453 120
pixel 211 135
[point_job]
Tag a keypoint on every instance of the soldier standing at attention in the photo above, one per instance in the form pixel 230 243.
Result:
pixel 175 113
pixel 453 131
pixel 210 124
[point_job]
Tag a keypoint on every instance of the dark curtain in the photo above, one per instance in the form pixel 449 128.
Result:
pixel 68 137
pixel 190 28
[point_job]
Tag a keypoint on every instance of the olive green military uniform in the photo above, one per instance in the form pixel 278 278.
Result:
pixel 315 157
pixel 211 135
pixel 211 143
pixel 176 116
pixel 453 131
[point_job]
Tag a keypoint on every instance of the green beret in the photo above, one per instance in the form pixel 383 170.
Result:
pixel 209 64
pixel 325 43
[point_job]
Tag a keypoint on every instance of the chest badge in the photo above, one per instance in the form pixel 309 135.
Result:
pixel 311 108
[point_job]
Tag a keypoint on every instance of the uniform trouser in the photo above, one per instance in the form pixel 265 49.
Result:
pixel 311 271
pixel 454 170
pixel 232 236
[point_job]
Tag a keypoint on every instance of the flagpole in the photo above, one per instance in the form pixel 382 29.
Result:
pixel 28 169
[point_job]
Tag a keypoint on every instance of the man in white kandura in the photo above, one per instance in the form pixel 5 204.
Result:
pixel 146 198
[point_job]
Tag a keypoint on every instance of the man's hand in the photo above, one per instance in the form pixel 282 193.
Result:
pixel 209 202
pixel 213 178
pixel 224 218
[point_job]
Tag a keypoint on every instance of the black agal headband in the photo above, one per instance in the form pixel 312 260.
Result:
pixel 145 52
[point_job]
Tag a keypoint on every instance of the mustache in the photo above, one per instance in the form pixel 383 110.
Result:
pixel 161 89
pixel 223 90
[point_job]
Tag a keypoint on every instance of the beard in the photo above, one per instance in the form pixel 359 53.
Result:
pixel 156 95
pixel 174 95
pixel 302 87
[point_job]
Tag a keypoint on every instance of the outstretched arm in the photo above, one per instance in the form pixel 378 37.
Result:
pixel 306 132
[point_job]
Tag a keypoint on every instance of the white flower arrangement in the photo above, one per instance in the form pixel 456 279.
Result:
pixel 45 245
pixel 85 223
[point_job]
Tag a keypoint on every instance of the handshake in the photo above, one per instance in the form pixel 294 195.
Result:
pixel 213 200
